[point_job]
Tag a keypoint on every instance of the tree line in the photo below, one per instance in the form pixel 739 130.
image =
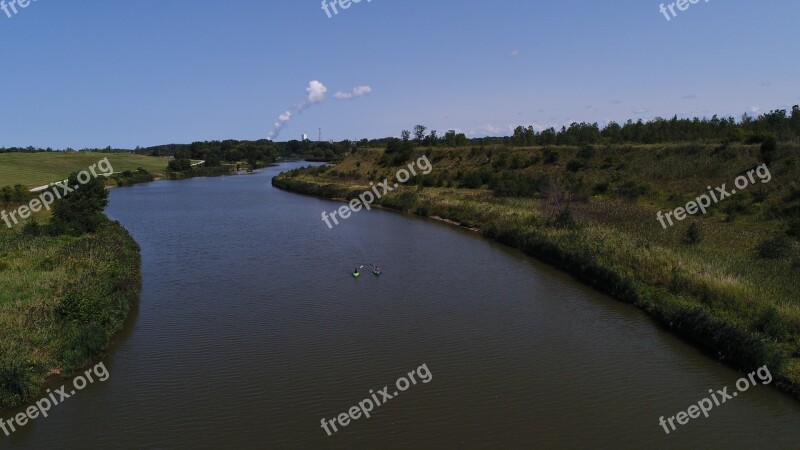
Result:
pixel 780 124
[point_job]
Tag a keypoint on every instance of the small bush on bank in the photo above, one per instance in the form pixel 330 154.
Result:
pixel 775 247
pixel 693 235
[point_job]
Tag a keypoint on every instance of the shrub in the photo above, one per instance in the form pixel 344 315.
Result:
pixel 586 152
pixel 501 162
pixel 759 195
pixel 575 186
pixel 471 180
pixel 735 207
pixel 400 158
pixel 600 188
pixel 770 323
pixel 631 191
pixel 562 219
pixel 550 156
pixel 576 165
pixel 775 247
pixel 693 235
pixel 515 184
pixel 16 384
pixel 32 228
pixel 769 148
pixel 179 165
pixel 793 228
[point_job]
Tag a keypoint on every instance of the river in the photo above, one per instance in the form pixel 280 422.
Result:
pixel 251 330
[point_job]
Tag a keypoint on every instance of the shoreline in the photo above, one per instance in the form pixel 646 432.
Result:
pixel 89 303
pixel 695 326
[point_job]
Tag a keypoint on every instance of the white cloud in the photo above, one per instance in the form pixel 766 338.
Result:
pixel 316 91
pixel 514 53
pixel 490 129
pixel 359 91
pixel 316 94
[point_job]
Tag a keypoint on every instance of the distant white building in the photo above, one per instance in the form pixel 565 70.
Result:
pixel 305 137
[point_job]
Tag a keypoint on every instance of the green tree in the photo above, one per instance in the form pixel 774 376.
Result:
pixel 432 140
pixel 80 211
pixel 419 133
pixel 179 165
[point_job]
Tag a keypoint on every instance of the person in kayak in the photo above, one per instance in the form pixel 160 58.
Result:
pixel 355 271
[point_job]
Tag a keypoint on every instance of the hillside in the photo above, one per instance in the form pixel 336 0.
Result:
pixel 38 169
pixel 724 280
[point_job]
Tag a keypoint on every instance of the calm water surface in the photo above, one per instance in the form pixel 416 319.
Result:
pixel 250 330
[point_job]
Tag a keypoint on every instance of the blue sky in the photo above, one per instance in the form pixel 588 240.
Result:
pixel 93 73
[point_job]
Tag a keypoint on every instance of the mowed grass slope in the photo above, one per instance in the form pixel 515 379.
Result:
pixel 39 169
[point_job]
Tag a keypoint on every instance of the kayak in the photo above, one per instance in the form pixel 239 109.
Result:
pixel 376 272
pixel 355 275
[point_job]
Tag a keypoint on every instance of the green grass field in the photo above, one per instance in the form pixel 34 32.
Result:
pixel 38 169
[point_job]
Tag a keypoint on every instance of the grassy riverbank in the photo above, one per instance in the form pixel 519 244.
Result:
pixel 62 299
pixel 725 280
pixel 64 294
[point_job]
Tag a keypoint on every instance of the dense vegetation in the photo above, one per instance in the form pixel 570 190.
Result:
pixel 253 153
pixel 725 280
pixel 779 124
pixel 131 177
pixel 65 290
